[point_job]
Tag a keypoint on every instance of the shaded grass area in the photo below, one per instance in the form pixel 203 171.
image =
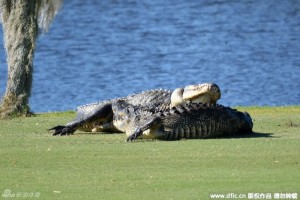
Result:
pixel 103 166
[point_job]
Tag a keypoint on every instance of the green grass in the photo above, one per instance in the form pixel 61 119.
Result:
pixel 103 166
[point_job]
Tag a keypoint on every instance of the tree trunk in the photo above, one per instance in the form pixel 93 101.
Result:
pixel 20 27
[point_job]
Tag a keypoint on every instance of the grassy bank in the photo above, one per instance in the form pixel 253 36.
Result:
pixel 103 166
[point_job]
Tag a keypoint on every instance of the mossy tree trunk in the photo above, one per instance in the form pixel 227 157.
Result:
pixel 20 27
pixel 21 22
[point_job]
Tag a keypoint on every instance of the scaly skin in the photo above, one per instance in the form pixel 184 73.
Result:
pixel 190 121
pixel 98 117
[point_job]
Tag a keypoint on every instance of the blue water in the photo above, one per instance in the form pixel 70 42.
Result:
pixel 97 50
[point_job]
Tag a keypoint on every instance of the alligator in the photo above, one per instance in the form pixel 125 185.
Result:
pixel 185 121
pixel 98 117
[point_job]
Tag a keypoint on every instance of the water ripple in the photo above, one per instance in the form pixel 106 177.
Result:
pixel 104 49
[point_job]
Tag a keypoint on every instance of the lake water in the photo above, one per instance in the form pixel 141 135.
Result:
pixel 97 50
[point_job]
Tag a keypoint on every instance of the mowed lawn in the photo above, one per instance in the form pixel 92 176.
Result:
pixel 36 165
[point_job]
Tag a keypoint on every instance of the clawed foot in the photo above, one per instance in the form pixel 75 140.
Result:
pixel 62 131
pixel 135 135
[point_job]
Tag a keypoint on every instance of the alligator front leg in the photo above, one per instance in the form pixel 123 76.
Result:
pixel 138 132
pixel 145 126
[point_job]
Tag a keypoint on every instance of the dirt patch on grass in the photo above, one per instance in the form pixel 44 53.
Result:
pixel 290 123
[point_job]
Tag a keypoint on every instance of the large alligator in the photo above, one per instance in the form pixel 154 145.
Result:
pixel 98 117
pixel 189 121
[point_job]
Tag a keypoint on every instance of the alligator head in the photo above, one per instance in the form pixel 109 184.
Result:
pixel 208 93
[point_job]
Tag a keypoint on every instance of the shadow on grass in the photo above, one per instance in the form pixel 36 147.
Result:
pixel 248 135
pixel 230 136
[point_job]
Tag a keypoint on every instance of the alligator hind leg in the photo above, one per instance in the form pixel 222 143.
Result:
pixel 62 130
pixel 86 119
